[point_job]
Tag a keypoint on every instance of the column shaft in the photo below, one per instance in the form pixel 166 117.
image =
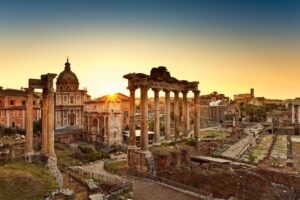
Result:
pixel 29 124
pixel 132 136
pixel 156 117
pixel 176 114
pixel 196 115
pixel 167 116
pixel 293 113
pixel 144 119
pixel 50 122
pixel 186 114
pixel 45 122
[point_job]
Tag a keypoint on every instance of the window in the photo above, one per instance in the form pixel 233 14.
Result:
pixel 12 102
pixel 0 104
pixel 34 102
pixel 23 102
pixel 72 99
pixel 125 114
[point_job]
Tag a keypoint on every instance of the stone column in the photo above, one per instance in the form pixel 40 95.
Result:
pixel 196 115
pixel 50 123
pixel 29 125
pixel 144 119
pixel 185 114
pixel 293 113
pixel 98 129
pixel 298 113
pixel 132 136
pixel 156 117
pixel 176 114
pixel 167 116
pixel 45 122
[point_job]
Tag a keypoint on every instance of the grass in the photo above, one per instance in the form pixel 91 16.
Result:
pixel 20 181
pixel 214 135
pixel 115 167
pixel 296 155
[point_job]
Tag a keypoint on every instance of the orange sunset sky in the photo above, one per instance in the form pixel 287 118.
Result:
pixel 223 55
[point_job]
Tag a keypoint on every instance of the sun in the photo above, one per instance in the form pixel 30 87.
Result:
pixel 113 96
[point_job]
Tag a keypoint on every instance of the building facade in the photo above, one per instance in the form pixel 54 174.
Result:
pixel 105 119
pixel 69 99
pixel 13 108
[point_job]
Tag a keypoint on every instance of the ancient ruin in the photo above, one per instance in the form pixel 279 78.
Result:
pixel 48 151
pixel 159 79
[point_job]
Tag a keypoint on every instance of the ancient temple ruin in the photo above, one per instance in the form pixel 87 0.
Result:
pixel 46 84
pixel 158 80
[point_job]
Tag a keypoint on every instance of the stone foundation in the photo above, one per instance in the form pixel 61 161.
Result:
pixel 139 160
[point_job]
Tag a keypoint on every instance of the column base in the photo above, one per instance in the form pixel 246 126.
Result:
pixel 167 141
pixel 157 144
pixel 28 157
pixel 139 160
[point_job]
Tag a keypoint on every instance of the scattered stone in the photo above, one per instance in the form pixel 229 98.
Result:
pixel 97 196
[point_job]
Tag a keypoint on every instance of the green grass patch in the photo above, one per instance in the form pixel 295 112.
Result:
pixel 115 167
pixel 19 180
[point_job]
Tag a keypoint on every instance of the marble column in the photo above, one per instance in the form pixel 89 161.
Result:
pixel 144 119
pixel 132 136
pixel 176 114
pixel 29 125
pixel 167 116
pixel 196 115
pixel 45 122
pixel 156 117
pixel 185 114
pixel 50 123
pixel 293 113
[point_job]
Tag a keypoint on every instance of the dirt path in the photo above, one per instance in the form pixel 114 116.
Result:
pixel 146 190
pixel 143 189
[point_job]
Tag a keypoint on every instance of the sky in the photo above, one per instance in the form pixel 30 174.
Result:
pixel 228 46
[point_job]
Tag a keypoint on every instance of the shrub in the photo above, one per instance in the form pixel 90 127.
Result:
pixel 191 141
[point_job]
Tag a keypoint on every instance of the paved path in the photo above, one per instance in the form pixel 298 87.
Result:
pixel 236 149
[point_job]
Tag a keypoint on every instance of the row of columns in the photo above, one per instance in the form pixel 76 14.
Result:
pixel 144 116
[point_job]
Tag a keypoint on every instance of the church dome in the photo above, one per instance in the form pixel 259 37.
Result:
pixel 67 80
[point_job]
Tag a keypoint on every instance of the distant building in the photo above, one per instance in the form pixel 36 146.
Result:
pixel 213 108
pixel 106 118
pixel 13 107
pixel 245 98
pixel 69 100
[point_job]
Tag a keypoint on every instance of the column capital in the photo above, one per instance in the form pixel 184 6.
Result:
pixel 184 92
pixel 166 90
pixel 176 92
pixel 196 92
pixel 156 89
pixel 29 90
pixel 132 88
pixel 144 87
